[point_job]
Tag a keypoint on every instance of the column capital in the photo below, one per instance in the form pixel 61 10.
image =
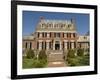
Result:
pixel 40 40
pixel 65 40
pixel 48 40
pixel 72 40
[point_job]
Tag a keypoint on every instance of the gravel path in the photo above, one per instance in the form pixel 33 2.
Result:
pixel 56 64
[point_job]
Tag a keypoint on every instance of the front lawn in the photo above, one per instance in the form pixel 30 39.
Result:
pixel 33 63
pixel 80 59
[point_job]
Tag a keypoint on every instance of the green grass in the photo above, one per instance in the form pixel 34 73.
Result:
pixel 33 63
pixel 78 61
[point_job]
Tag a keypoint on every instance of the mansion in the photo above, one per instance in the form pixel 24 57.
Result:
pixel 55 35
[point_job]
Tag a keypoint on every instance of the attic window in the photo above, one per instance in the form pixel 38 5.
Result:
pixel 85 37
pixel 69 25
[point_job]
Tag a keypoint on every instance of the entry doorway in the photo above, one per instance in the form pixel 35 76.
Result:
pixel 57 46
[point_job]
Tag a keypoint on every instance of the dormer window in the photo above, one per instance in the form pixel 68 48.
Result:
pixel 69 25
pixel 85 37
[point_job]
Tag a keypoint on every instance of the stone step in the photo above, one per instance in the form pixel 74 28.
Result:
pixel 56 64
pixel 55 57
pixel 56 52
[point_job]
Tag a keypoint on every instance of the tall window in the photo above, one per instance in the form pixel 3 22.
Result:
pixel 58 34
pixel 42 34
pixel 69 35
pixel 38 35
pixel 45 34
pixel 74 35
pixel 50 45
pixel 68 45
pixel 63 35
pixel 50 34
pixel 74 44
pixel 26 45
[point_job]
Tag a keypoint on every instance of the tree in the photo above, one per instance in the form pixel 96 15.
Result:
pixel 80 52
pixel 30 54
pixel 71 53
pixel 42 55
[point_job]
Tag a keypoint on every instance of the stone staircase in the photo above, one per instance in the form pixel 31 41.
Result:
pixel 55 56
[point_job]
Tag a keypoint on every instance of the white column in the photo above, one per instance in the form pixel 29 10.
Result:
pixel 65 45
pixel 71 35
pixel 28 45
pixel 85 45
pixel 72 45
pixel 40 44
pixel 40 35
pixel 60 46
pixel 47 45
pixel 48 35
pixel 65 35
pixel 54 45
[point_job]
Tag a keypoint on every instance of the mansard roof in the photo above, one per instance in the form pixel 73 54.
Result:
pixel 29 37
pixel 83 38
pixel 56 25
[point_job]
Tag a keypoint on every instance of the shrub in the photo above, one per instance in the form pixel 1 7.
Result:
pixel 39 63
pixel 30 54
pixel 80 52
pixel 42 55
pixel 27 63
pixel 72 62
pixel 84 60
pixel 71 53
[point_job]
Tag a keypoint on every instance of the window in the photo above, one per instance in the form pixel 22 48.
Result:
pixel 54 34
pixel 43 25
pixel 85 37
pixel 26 45
pixel 74 44
pixel 58 34
pixel 69 25
pixel 73 34
pixel 50 45
pixel 63 35
pixel 69 35
pixel 45 34
pixel 42 34
pixel 63 45
pixel 50 34
pixel 68 43
pixel 38 35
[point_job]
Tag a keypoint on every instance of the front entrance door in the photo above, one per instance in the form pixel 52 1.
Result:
pixel 57 46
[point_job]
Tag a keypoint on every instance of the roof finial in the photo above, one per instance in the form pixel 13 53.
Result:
pixel 41 17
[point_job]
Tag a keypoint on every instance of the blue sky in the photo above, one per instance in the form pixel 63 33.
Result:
pixel 31 18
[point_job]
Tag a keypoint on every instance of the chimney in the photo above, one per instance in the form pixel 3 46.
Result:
pixel 72 20
pixel 41 18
